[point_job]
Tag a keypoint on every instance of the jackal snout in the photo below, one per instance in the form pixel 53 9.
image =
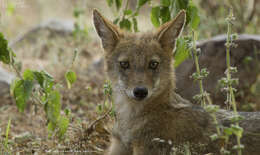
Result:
pixel 140 92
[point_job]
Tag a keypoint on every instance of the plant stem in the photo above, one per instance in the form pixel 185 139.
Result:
pixel 202 92
pixel 232 99
pixel 126 6
pixel 194 48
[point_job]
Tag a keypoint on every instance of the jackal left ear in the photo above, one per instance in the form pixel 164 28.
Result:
pixel 107 31
pixel 170 31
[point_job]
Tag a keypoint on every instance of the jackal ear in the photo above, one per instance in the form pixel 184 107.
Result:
pixel 170 31
pixel 108 32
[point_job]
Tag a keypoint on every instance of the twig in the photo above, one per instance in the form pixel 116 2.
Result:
pixel 90 128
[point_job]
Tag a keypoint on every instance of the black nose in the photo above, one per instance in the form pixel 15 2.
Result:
pixel 140 92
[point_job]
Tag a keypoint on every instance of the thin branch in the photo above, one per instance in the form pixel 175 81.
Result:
pixel 90 128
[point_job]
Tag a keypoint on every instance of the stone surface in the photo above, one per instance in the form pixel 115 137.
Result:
pixel 5 81
pixel 214 59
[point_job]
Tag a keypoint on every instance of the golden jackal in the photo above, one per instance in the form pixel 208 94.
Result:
pixel 151 118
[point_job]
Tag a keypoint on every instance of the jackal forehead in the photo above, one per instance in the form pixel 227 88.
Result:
pixel 138 47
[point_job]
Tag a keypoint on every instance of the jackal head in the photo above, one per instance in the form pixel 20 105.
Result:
pixel 139 65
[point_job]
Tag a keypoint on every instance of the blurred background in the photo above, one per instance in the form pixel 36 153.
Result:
pixel 44 35
pixel 20 15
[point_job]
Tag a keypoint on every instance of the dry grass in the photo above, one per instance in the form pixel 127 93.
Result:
pixel 53 53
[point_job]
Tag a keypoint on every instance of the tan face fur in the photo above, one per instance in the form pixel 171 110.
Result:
pixel 139 65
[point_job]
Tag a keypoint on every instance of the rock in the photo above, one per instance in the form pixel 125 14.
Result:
pixel 24 138
pixel 5 81
pixel 214 59
pixel 53 26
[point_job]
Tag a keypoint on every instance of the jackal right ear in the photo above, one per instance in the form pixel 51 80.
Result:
pixel 170 31
pixel 108 32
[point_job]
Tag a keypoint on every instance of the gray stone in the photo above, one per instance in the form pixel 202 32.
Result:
pixel 213 58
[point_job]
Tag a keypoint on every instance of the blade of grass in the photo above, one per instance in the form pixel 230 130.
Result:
pixel 7 132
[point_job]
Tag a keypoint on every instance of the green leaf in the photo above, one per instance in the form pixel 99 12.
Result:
pixel 135 25
pixel 125 24
pixel 228 131
pixel 7 132
pixel 214 137
pixel 4 50
pixel 67 112
pixel 45 80
pixel 12 86
pixel 51 128
pixel 118 4
pixel 255 87
pixel 238 147
pixel 236 118
pixel 211 108
pixel 128 12
pixel 10 8
pixel 142 2
pixel 77 12
pixel 71 77
pixel 237 130
pixel 28 75
pixel 22 91
pixel 53 107
pixel 135 14
pixel 182 51
pixel 63 124
pixel 110 2
pixel 181 4
pixel 165 14
pixel 99 108
pixel 155 14
pixel 193 16
pixel 165 3
pixel 108 88
pixel 116 20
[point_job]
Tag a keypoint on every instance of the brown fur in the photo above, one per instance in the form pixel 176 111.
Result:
pixel 162 114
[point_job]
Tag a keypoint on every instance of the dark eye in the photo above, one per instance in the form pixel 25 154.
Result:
pixel 153 65
pixel 124 64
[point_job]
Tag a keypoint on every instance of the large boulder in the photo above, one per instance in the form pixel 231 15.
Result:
pixel 5 81
pixel 245 57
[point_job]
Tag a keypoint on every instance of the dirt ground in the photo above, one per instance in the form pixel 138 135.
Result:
pixel 53 53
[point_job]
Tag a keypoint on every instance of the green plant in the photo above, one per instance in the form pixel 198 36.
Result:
pixel 80 29
pixel 40 87
pixel 7 133
pixel 108 105
pixel 227 85
pixel 203 96
pixel 227 82
pixel 10 8
pixel 160 14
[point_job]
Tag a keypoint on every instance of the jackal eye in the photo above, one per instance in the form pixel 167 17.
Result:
pixel 153 65
pixel 124 64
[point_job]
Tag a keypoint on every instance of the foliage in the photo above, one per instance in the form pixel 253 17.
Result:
pixel 183 47
pixel 39 86
pixel 227 82
pixel 7 132
pixel 4 50
pixel 71 77
pixel 186 46
pixel 246 11
pixel 160 14
pixel 80 29
pixel 108 104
